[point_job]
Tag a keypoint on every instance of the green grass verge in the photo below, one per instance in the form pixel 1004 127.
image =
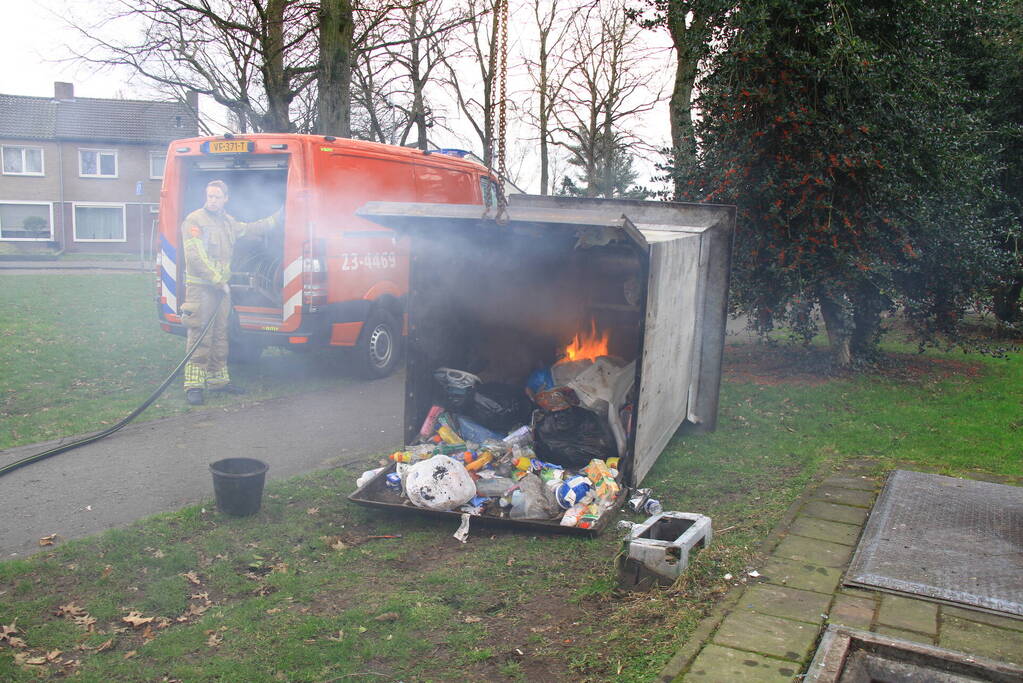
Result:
pixel 82 350
pixel 299 592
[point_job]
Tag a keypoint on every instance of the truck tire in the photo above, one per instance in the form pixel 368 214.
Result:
pixel 379 348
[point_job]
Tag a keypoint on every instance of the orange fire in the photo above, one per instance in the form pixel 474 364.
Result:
pixel 587 346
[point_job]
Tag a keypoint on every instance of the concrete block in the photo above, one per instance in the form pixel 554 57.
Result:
pixel 657 550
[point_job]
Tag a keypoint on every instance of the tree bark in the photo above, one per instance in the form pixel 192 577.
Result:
pixel 690 46
pixel 278 92
pixel 334 79
pixel 837 327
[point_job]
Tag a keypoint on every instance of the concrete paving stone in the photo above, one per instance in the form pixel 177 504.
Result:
pixel 785 602
pixel 814 551
pixel 908 613
pixel 834 494
pixel 716 664
pixel 852 611
pixel 834 512
pixel 850 481
pixel 982 617
pixel 801 575
pixel 860 593
pixel 767 635
pixel 981 639
pixel 836 532
pixel 911 636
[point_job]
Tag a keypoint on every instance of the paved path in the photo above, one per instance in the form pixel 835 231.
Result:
pixel 161 465
pixel 766 631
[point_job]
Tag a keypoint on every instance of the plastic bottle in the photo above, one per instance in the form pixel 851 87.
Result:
pixel 449 435
pixel 479 462
pixel 494 486
pixel 522 435
pixel 431 418
pixel 653 507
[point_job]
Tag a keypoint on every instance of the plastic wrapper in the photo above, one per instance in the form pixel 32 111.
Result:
pixel 474 431
pixel 440 483
pixel 534 500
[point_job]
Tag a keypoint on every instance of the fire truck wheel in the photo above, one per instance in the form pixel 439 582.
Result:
pixel 379 345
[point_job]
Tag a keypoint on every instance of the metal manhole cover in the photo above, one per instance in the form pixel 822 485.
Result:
pixel 954 540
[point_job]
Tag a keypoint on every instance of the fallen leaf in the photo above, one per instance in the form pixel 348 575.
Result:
pixel 158 554
pixel 340 637
pixel 107 571
pixel 201 596
pixel 275 610
pixel 147 633
pixel 192 577
pixel 313 511
pixel 362 629
pixel 129 655
pixel 52 655
pixel 473 620
pixel 71 610
pixel 280 568
pixel 387 616
pixel 214 640
pixel 16 642
pixel 85 621
pixel 136 619
pixel 47 540
pixel 22 658
pixel 105 645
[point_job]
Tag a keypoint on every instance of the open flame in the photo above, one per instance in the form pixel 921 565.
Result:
pixel 587 346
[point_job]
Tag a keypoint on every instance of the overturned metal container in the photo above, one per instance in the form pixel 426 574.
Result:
pixel 504 296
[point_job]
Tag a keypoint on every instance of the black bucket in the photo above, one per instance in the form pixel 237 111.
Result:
pixel 238 485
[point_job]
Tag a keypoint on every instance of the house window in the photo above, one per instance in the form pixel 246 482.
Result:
pixel 157 160
pixel 26 221
pixel 23 160
pixel 99 223
pixel 97 163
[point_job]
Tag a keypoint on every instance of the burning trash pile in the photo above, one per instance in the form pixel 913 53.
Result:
pixel 548 451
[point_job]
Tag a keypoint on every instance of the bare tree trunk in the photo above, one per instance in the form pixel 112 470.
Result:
pixel 690 46
pixel 334 91
pixel 278 92
pixel 838 330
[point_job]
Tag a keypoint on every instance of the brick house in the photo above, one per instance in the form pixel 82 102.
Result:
pixel 84 174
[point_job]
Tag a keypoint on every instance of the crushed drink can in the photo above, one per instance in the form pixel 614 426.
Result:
pixel 393 482
pixel 652 507
pixel 638 500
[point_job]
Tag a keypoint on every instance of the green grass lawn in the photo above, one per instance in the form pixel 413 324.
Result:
pixel 81 351
pixel 301 592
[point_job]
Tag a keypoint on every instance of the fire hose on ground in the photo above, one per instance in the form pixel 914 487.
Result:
pixel 63 448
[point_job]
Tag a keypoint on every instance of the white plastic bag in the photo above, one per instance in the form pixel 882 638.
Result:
pixel 440 483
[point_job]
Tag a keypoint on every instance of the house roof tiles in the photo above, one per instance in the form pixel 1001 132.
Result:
pixel 94 119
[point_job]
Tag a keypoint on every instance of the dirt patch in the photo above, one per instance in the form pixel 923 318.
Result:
pixel 767 365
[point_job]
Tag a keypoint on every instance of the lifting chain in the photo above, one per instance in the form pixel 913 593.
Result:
pixel 500 74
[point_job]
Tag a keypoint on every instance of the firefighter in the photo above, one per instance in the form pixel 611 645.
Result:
pixel 209 235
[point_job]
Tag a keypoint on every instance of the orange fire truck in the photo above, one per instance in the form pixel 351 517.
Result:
pixel 326 277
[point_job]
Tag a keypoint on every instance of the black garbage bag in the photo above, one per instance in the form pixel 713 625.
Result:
pixel 572 437
pixel 501 407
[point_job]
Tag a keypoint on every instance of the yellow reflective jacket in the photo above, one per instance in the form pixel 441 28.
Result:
pixel 209 243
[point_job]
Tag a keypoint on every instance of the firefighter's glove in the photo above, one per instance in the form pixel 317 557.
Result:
pixel 226 288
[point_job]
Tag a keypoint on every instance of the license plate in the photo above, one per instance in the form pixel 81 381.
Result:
pixel 230 146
